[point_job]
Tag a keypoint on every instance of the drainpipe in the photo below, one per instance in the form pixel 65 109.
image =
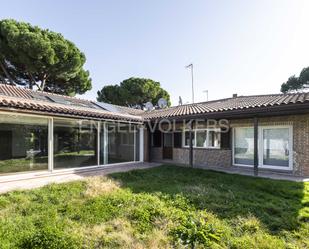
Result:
pixel 256 158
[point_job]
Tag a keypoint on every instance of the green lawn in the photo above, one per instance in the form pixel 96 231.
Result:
pixel 161 207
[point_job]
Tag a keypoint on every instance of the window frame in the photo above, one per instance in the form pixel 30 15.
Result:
pixel 195 131
pixel 100 123
pixel 261 147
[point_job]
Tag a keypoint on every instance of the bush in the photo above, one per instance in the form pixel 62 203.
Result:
pixel 195 230
pixel 50 238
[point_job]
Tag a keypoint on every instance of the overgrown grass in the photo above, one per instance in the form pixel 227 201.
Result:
pixel 158 208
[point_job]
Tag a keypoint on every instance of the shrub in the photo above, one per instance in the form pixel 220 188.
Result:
pixel 49 238
pixel 195 230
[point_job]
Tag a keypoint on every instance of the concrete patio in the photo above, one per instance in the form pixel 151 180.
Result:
pixel 263 173
pixel 247 171
pixel 39 179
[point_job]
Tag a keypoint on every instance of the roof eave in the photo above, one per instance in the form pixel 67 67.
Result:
pixel 63 115
pixel 280 110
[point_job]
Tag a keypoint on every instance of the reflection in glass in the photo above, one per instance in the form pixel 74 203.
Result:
pixel 23 144
pixel 276 147
pixel 120 143
pixel 187 138
pixel 214 137
pixel 75 143
pixel 201 137
pixel 244 146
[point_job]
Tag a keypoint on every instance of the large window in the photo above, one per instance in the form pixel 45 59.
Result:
pixel 23 143
pixel 186 138
pixel 30 143
pixel 201 138
pixel 274 146
pixel 121 141
pixel 75 143
pixel 244 146
pixel 206 138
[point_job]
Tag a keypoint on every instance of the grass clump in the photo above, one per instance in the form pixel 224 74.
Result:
pixel 162 207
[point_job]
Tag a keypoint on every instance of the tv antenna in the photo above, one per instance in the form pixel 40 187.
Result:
pixel 191 67
pixel 149 106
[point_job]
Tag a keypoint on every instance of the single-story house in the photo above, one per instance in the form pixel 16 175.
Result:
pixel 48 132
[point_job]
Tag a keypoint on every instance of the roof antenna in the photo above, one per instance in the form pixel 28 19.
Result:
pixel 180 101
pixel 206 91
pixel 191 67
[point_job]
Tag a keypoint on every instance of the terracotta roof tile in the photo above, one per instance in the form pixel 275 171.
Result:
pixel 228 104
pixel 20 98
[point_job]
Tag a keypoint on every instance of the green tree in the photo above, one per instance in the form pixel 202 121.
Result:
pixel 31 56
pixel 133 92
pixel 295 84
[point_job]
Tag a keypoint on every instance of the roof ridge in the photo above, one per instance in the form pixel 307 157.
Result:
pixel 241 96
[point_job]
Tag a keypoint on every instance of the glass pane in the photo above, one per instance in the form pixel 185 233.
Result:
pixel 102 145
pixel 187 138
pixel 23 143
pixel 201 138
pixel 120 143
pixel 168 139
pixel 214 139
pixel 276 147
pixel 137 145
pixel 75 143
pixel 244 146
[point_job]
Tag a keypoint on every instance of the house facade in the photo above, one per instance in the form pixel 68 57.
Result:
pixel 264 132
pixel 44 132
pixel 48 132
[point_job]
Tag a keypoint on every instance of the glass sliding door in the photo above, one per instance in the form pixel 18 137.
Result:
pixel 103 144
pixel 243 146
pixel 75 143
pixel 276 146
pixel 137 144
pixel 121 140
pixel 23 143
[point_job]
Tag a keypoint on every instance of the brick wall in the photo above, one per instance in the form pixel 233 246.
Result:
pixel 156 154
pixel 181 155
pixel 223 158
pixel 300 125
pixel 212 157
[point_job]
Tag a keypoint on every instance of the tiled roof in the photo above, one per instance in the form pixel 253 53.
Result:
pixel 31 101
pixel 229 104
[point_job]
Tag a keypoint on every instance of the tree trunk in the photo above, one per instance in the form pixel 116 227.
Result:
pixel 7 74
pixel 32 81
pixel 2 79
pixel 43 82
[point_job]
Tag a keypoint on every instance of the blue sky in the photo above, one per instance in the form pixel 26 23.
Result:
pixel 245 47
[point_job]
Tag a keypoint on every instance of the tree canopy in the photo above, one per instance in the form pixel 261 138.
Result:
pixel 295 84
pixel 35 57
pixel 133 92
